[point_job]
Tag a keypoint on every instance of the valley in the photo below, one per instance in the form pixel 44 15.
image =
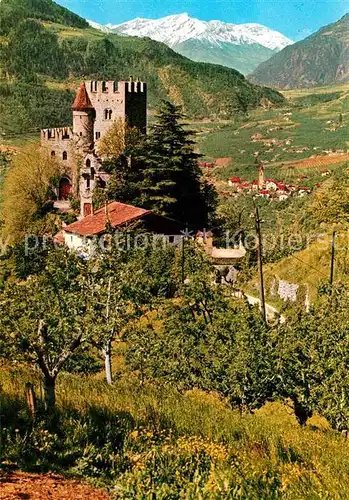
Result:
pixel 303 144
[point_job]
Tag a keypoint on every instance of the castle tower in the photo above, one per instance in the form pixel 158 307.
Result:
pixel 83 119
pixel 261 176
pixel 125 100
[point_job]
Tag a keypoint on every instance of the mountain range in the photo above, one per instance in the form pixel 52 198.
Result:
pixel 239 46
pixel 320 59
pixel 46 51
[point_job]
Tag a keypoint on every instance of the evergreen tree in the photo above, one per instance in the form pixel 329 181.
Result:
pixel 172 182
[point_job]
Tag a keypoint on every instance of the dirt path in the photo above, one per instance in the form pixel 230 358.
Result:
pixel 270 310
pixel 22 485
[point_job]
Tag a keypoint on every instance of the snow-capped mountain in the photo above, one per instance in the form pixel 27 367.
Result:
pixel 174 30
pixel 100 27
pixel 240 46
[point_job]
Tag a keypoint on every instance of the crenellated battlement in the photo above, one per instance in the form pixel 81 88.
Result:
pixel 57 134
pixel 112 87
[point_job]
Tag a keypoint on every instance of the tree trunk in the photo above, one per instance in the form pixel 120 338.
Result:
pixel 49 392
pixel 107 361
pixel 301 412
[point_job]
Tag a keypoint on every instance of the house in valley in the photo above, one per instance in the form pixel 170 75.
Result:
pixel 234 181
pixel 96 228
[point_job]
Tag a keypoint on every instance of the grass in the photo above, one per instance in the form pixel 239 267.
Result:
pixel 173 446
pixel 19 141
pixel 311 267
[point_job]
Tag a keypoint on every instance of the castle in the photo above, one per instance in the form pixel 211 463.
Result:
pixel 96 106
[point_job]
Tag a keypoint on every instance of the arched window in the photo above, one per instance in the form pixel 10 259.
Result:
pixel 65 155
pixel 88 163
pixel 53 153
pixel 107 114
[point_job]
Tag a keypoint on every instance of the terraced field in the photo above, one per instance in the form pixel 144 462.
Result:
pixel 311 132
pixel 317 162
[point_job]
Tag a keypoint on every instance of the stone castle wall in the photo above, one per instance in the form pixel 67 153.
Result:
pixel 112 100
pixel 69 145
pixel 59 143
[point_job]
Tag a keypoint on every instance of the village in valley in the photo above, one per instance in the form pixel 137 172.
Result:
pixel 269 188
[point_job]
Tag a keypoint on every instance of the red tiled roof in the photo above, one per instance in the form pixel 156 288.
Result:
pixel 264 191
pixel 82 100
pixel 118 215
pixel 236 180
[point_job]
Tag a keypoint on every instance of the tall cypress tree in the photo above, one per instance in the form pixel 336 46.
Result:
pixel 172 183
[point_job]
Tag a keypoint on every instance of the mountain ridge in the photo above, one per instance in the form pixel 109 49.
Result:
pixel 203 41
pixel 320 59
pixel 14 11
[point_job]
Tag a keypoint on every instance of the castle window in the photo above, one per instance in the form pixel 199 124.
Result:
pixel 107 114
pixel 65 135
pixel 51 133
pixel 88 163
pixel 94 86
pixel 98 134
pixel 88 182
pixel 53 153
pixel 104 87
pixel 65 155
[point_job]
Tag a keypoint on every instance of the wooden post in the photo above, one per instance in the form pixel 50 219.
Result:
pixel 183 258
pixel 260 265
pixel 332 257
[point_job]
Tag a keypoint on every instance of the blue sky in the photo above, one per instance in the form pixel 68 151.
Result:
pixel 296 19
